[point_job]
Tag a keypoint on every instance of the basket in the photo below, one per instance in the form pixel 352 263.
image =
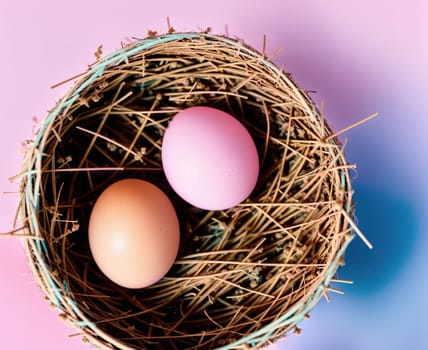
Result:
pixel 244 277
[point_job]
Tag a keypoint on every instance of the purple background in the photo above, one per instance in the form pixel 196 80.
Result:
pixel 360 56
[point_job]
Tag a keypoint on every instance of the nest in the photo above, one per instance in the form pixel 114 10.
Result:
pixel 245 276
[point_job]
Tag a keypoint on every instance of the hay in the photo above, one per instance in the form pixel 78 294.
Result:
pixel 244 276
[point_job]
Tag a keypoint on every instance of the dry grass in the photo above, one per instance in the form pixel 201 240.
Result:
pixel 244 276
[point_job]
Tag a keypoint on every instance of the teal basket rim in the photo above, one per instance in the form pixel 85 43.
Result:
pixel 295 315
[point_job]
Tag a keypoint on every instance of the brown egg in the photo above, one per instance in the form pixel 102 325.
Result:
pixel 134 233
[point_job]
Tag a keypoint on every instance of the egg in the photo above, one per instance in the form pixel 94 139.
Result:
pixel 134 233
pixel 209 158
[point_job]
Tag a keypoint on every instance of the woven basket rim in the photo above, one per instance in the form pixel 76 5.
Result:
pixel 37 249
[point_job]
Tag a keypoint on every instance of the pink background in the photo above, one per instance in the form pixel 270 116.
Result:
pixel 360 56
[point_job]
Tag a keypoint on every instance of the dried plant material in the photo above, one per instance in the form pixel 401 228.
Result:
pixel 244 276
pixel 99 52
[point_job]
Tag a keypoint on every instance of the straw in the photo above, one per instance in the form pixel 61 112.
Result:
pixel 245 276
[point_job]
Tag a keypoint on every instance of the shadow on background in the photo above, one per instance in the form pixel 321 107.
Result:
pixel 351 90
pixel 390 223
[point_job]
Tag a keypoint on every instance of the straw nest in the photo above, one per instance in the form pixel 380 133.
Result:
pixel 244 276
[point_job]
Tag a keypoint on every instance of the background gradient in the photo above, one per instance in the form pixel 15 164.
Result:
pixel 360 56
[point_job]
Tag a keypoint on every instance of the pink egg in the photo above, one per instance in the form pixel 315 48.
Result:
pixel 209 158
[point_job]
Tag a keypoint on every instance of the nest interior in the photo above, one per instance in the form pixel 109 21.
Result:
pixel 245 275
